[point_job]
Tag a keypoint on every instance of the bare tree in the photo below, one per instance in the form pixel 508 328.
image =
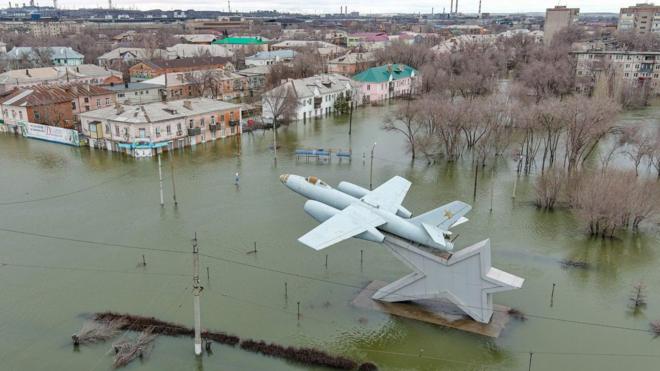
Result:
pixel 548 188
pixel 280 104
pixel 638 145
pixel 405 121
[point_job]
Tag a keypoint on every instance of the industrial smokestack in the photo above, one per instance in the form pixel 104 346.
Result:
pixel 456 7
pixel 451 7
pixel 479 8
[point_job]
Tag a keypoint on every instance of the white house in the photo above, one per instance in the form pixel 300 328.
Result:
pixel 315 95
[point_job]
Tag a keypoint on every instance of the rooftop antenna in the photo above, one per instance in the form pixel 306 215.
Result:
pixel 54 4
pixel 109 4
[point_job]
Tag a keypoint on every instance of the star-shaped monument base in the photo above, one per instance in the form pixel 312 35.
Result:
pixel 466 278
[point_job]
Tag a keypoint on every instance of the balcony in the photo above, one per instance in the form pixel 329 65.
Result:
pixel 234 123
pixel 194 131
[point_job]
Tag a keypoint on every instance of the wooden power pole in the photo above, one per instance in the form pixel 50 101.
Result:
pixel 197 291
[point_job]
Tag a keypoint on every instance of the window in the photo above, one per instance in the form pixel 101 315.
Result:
pixel 73 105
pixel 168 129
pixel 107 101
pixel 201 122
pixel 143 133
pixel 157 131
pixel 178 127
pixel 37 116
pixel 117 130
pixel 212 120
pixel 98 103
pixel 231 116
pixel 107 128
pixel 120 95
pixel 86 99
pixel 20 115
pixel 86 108
pixel 191 124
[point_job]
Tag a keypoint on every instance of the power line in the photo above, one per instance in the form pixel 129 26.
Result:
pixel 270 307
pixel 302 276
pixel 84 189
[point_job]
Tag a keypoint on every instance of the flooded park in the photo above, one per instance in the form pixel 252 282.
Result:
pixel 75 224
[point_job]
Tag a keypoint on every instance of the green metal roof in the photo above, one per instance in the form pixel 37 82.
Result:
pixel 381 73
pixel 240 41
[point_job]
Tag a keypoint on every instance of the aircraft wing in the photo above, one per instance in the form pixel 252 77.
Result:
pixel 348 223
pixel 389 195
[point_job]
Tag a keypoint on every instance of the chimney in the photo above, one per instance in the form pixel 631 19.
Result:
pixel 27 72
pixel 77 69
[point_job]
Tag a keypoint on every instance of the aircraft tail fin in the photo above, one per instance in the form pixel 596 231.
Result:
pixel 446 216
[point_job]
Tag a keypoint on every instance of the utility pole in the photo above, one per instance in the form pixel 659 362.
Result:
pixel 371 170
pixel 160 180
pixel 275 141
pixel 350 119
pixel 173 185
pixel 197 290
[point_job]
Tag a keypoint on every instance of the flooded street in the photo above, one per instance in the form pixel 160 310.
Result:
pixel 75 222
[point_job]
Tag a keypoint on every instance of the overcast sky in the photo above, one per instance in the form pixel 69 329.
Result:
pixel 363 6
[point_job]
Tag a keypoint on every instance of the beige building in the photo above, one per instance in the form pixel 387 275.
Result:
pixel 611 71
pixel 142 130
pixel 641 18
pixel 558 18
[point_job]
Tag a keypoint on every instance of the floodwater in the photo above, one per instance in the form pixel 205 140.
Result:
pixel 70 219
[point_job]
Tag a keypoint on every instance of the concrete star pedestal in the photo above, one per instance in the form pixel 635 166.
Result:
pixel 449 290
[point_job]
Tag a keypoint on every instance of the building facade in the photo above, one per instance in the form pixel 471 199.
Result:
pixel 617 70
pixel 143 130
pixel 381 83
pixel 641 18
pixel 136 92
pixel 556 19
pixel 351 63
pixel 315 96
pixel 53 105
pixel 146 70
pixel 58 55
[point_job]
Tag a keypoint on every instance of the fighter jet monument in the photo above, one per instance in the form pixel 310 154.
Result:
pixel 466 277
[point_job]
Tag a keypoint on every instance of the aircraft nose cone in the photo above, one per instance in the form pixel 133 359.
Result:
pixel 283 178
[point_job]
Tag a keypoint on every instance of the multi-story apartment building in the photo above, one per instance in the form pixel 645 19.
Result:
pixel 556 19
pixel 143 130
pixel 315 96
pixel 381 83
pixel 617 70
pixel 641 18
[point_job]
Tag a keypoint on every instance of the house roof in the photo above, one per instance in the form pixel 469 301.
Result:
pixel 371 36
pixel 197 38
pixel 36 75
pixel 383 73
pixel 58 52
pixel 284 54
pixel 139 53
pixel 352 58
pixel 304 43
pixel 322 84
pixel 159 111
pixel 196 50
pixel 131 86
pixel 240 41
pixel 257 70
pixel 43 95
pixel 187 62
pixel 175 79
